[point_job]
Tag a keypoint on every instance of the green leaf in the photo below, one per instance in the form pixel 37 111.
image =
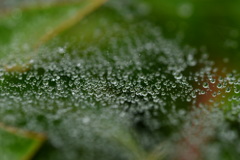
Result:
pixel 25 30
pixel 17 144
pixel 114 87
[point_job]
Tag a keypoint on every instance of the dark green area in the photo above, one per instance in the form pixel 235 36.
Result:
pixel 211 24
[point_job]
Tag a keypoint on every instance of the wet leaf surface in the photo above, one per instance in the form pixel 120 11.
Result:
pixel 24 30
pixel 132 80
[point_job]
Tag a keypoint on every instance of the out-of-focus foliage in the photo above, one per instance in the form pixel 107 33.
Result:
pixel 16 144
pixel 25 30
pixel 206 23
pixel 133 80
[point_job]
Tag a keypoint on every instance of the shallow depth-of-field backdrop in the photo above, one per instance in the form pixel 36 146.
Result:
pixel 119 80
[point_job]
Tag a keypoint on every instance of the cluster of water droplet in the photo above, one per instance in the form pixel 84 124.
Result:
pixel 129 75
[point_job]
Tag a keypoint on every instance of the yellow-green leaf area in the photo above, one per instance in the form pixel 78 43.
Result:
pixel 18 145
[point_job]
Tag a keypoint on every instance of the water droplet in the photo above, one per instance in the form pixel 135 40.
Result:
pixel 205 85
pixel 228 89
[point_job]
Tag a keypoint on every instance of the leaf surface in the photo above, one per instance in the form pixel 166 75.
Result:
pixel 18 144
pixel 25 30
